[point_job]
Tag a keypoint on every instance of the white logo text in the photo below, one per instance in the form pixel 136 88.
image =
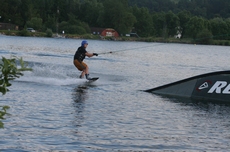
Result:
pixel 219 86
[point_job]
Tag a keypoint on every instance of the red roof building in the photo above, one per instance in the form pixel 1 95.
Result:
pixel 108 32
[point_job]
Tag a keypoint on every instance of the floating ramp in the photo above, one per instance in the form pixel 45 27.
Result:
pixel 213 86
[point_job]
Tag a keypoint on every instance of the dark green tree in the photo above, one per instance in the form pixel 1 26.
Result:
pixel 90 11
pixel 166 24
pixel 219 28
pixel 74 26
pixel 118 15
pixel 25 11
pixel 154 5
pixel 35 23
pixel 10 11
pixel 172 23
pixel 194 26
pixel 184 17
pixel 204 37
pixel 228 24
pixel 159 24
pixel 50 23
pixel 144 25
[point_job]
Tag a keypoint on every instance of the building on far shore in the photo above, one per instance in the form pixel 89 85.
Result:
pixel 8 26
pixel 105 32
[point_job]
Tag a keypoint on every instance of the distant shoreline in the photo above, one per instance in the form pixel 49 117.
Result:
pixel 97 37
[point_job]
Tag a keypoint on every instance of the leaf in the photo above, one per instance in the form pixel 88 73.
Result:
pixel 5 108
pixel 1 81
pixel 1 125
pixel 3 90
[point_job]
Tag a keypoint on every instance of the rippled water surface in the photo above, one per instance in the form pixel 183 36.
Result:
pixel 52 110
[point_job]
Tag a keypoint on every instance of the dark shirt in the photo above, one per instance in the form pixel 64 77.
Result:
pixel 80 54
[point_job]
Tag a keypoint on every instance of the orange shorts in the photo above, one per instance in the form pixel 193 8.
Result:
pixel 79 65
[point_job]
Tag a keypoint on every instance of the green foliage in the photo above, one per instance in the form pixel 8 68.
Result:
pixel 171 21
pixel 204 8
pixel 194 26
pixel 90 12
pixel 204 37
pixel 2 114
pixel 227 43
pixel 219 28
pixel 8 32
pixel 23 32
pixel 49 33
pixel 9 71
pixel 159 24
pixel 154 5
pixel 35 23
pixel 50 23
pixel 117 15
pixel 157 18
pixel 144 24
pixel 74 26
pixel 184 17
pixel 166 24
pixel 76 29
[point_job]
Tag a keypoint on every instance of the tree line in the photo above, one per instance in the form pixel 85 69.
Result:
pixel 148 18
pixel 205 8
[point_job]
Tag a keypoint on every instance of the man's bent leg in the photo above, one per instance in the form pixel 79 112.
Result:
pixel 81 66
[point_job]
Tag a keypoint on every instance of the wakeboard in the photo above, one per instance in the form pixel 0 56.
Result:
pixel 93 79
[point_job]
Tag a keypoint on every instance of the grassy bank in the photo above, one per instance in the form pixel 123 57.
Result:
pixel 97 37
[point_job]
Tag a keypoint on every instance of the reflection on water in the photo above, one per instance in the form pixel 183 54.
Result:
pixel 79 96
pixel 200 105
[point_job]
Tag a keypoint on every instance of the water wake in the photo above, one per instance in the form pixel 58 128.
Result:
pixel 51 75
pixel 52 81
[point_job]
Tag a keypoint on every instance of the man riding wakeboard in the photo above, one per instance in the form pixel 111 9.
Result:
pixel 80 56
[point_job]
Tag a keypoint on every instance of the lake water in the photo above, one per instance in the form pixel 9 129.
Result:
pixel 52 110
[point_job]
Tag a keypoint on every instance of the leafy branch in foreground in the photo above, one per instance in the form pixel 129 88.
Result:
pixel 9 71
pixel 2 114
